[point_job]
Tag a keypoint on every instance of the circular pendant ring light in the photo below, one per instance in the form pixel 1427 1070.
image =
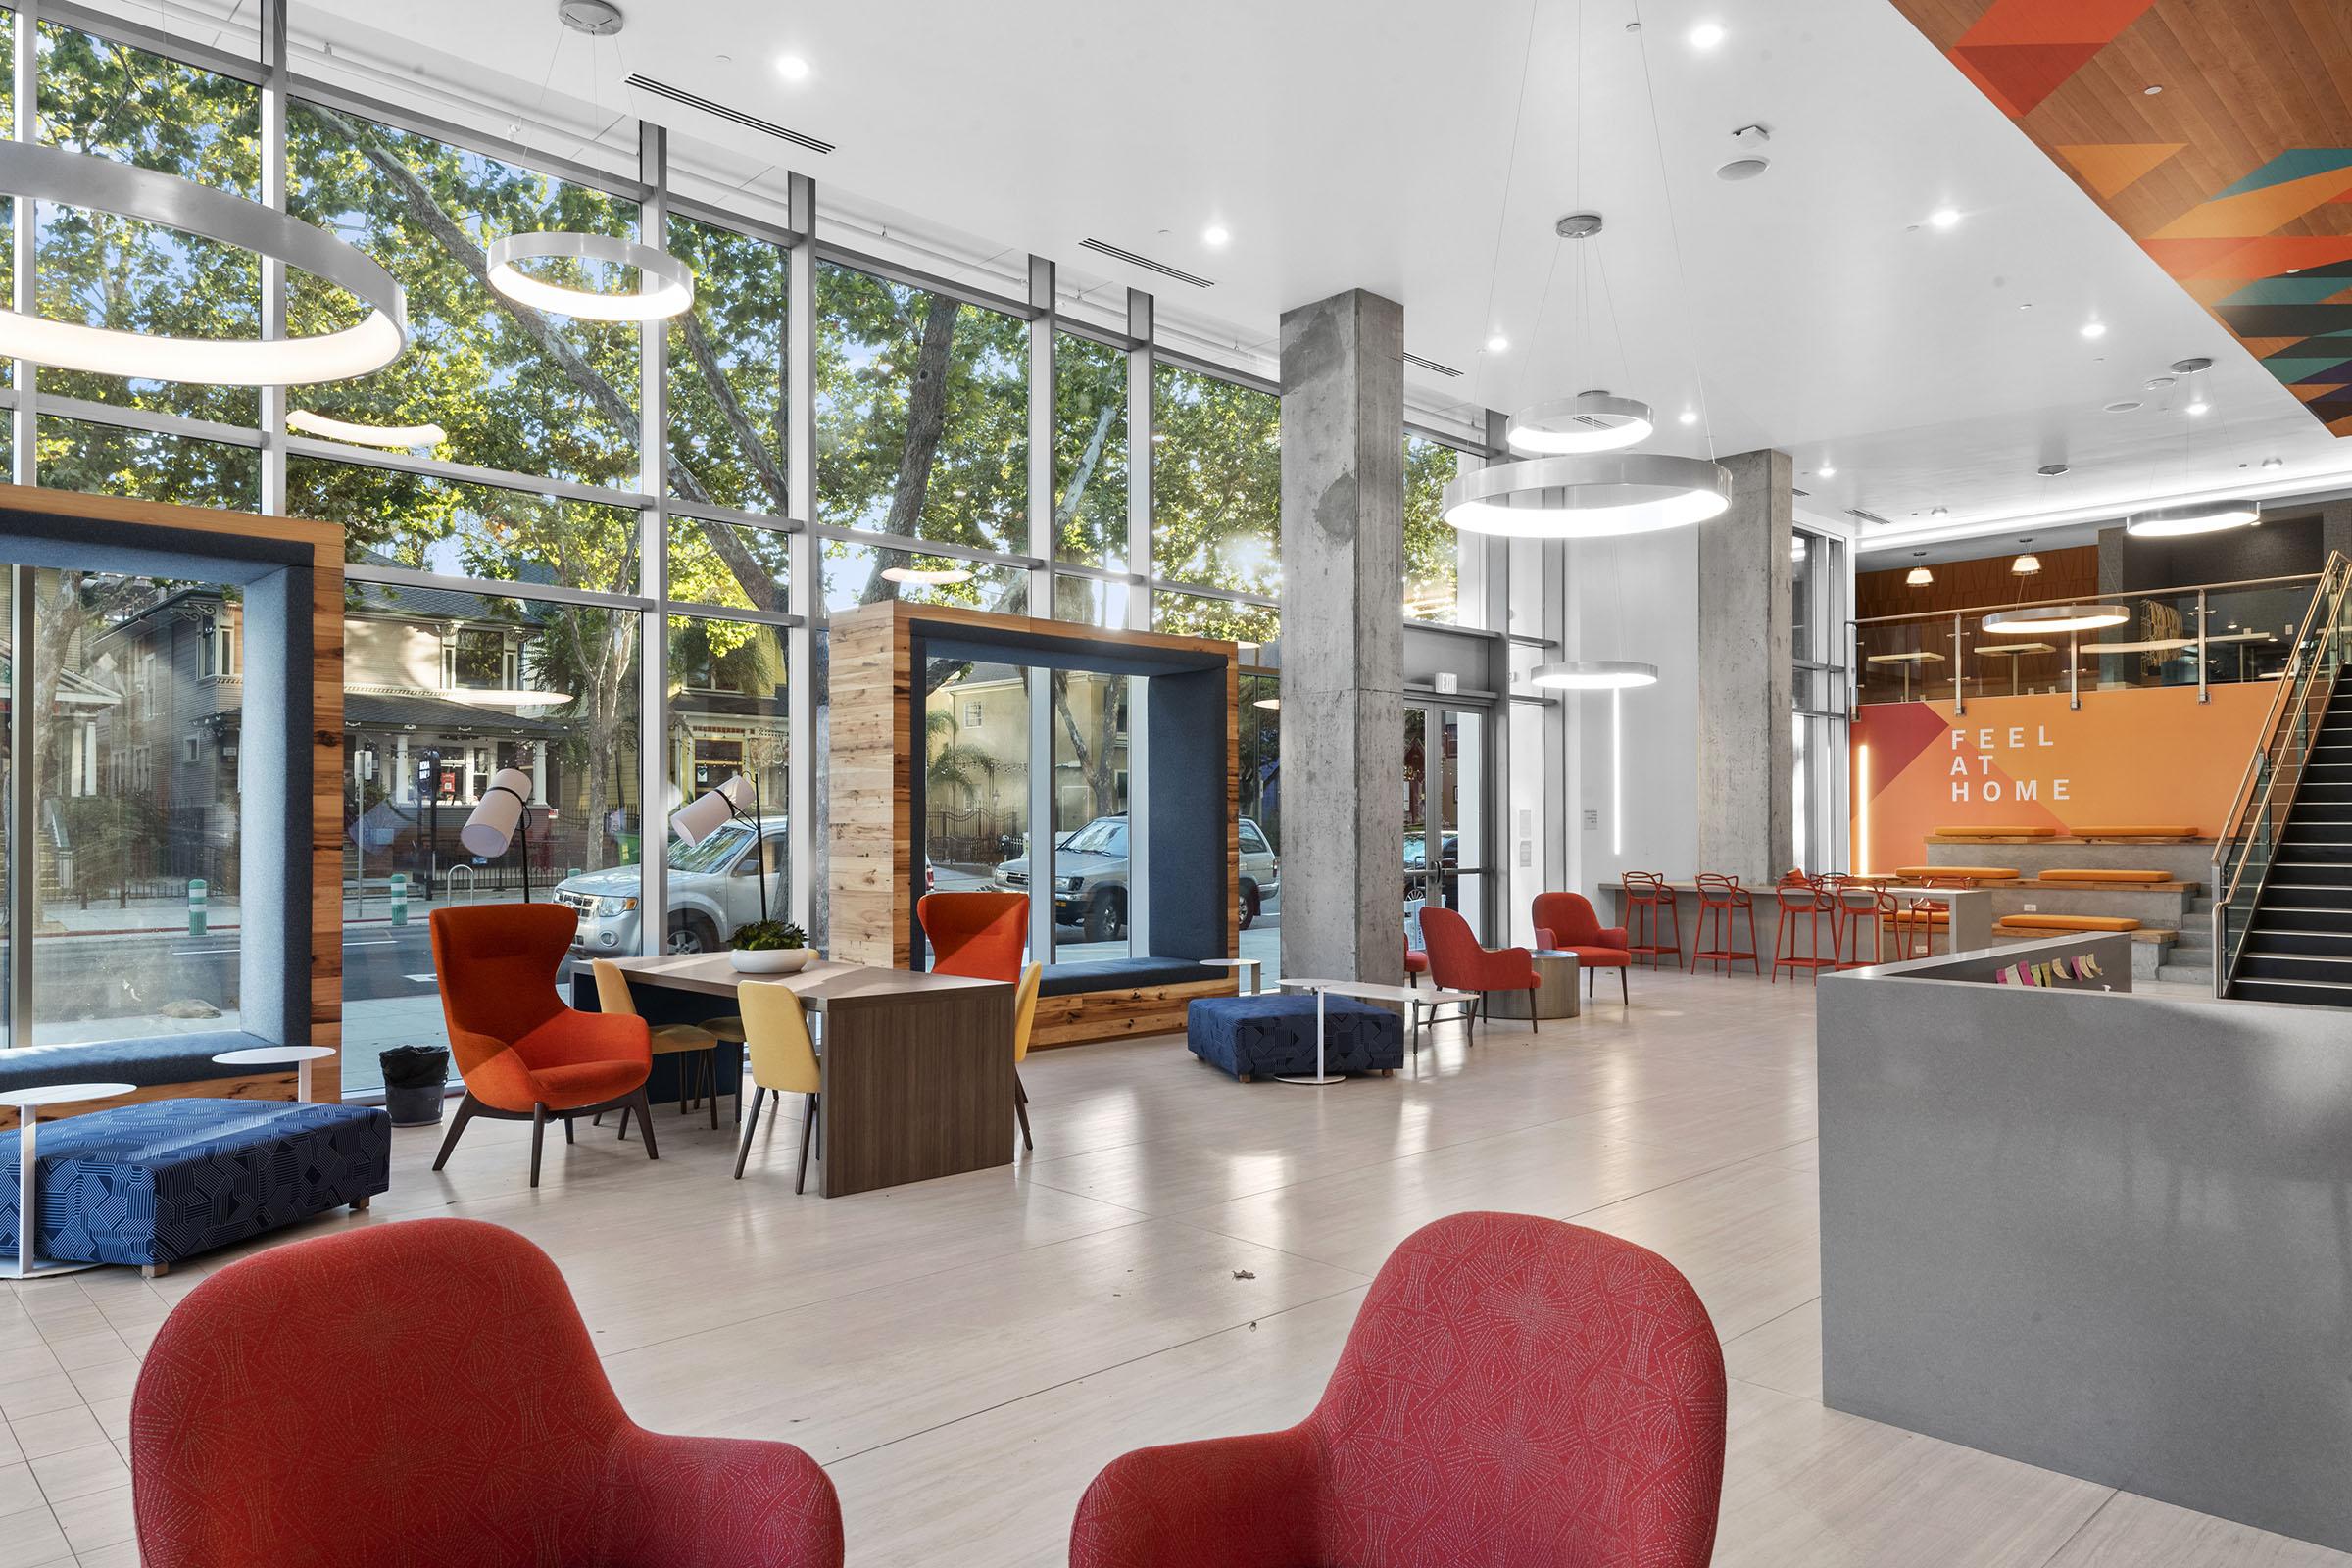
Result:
pixel 391 437
pixel 1590 422
pixel 1590 496
pixel 2205 517
pixel 926 577
pixel 669 289
pixel 2054 617
pixel 150 196
pixel 1594 676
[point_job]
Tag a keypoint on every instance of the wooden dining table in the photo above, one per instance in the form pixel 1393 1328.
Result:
pixel 917 1068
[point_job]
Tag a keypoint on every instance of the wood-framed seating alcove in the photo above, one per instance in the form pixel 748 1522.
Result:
pixel 1184 755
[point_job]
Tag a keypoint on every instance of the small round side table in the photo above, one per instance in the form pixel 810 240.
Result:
pixel 300 1057
pixel 28 1230
pixel 1252 968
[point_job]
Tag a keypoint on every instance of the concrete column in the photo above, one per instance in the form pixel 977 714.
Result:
pixel 1746 761
pixel 1343 638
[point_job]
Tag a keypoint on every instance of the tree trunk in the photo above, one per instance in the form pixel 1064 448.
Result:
pixel 926 423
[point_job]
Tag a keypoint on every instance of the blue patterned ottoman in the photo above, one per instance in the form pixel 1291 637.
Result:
pixel 1275 1035
pixel 152 1183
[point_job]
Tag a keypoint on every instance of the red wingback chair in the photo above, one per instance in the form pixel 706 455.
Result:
pixel 523 1055
pixel 1565 922
pixel 1517 1393
pixel 978 935
pixel 425 1393
pixel 1456 962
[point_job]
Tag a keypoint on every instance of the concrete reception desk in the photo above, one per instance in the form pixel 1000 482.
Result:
pixel 2103 1233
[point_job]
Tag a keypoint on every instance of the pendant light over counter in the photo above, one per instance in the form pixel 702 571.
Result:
pixel 103 185
pixel 2054 617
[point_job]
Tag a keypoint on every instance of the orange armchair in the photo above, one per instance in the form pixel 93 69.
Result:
pixel 425 1393
pixel 523 1055
pixel 977 934
pixel 1457 962
pixel 1565 923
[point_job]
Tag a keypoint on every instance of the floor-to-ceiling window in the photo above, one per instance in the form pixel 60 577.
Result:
pixel 1820 585
pixel 523 579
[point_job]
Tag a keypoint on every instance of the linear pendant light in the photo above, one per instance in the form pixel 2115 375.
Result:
pixel 1593 675
pixel 150 196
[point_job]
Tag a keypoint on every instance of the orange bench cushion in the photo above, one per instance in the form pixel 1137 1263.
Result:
pixel 1974 873
pixel 2068 922
pixel 2136 832
pixel 2096 875
pixel 1996 832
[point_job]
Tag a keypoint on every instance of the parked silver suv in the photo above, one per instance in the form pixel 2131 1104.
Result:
pixel 714 888
pixel 1090 876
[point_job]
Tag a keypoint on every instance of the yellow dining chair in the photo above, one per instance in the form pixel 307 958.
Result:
pixel 784 1061
pixel 1024 1015
pixel 668 1039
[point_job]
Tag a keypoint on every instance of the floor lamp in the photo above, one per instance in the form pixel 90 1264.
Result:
pixel 503 810
pixel 714 810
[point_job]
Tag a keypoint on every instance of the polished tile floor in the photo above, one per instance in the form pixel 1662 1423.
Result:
pixel 1181 1258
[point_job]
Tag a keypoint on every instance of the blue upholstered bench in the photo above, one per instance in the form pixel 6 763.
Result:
pixel 1275 1034
pixel 152 1183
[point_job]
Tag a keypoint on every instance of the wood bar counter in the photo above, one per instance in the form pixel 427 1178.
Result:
pixel 917 1068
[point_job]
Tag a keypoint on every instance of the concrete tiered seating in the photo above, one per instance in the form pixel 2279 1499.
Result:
pixel 1972 873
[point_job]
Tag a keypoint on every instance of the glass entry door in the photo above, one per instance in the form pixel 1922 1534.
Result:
pixel 1447 842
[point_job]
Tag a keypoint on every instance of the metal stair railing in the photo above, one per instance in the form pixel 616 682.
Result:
pixel 2249 843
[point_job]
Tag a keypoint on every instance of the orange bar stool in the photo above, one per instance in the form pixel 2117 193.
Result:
pixel 1802 905
pixel 1723 900
pixel 1915 924
pixel 1859 907
pixel 1656 923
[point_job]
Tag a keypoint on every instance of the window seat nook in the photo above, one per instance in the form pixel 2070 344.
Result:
pixel 164 1067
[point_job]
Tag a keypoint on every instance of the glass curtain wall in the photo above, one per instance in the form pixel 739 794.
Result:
pixel 1820 587
pixel 518 580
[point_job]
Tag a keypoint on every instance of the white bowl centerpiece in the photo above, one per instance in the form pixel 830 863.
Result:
pixel 769 947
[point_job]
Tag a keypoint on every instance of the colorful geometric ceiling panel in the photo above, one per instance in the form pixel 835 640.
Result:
pixel 2234 173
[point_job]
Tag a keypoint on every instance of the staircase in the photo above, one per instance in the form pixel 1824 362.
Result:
pixel 2283 874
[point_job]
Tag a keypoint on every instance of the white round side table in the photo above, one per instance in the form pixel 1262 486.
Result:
pixel 28 1230
pixel 300 1057
pixel 1252 968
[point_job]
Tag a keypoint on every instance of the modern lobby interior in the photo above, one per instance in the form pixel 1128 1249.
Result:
pixel 1322 786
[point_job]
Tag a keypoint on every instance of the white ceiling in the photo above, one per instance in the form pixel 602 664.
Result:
pixel 1368 143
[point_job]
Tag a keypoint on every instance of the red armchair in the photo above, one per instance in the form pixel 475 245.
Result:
pixel 979 935
pixel 523 1055
pixel 1456 962
pixel 1565 923
pixel 1517 1393
pixel 427 1392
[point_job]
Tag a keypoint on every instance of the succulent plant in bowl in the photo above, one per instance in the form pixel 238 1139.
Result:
pixel 768 947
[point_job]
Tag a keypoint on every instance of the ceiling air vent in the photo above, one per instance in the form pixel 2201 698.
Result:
pixel 1432 365
pixel 1859 516
pixel 695 100
pixel 1146 263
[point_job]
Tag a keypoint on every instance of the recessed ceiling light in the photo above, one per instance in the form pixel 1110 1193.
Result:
pixel 1706 35
pixel 2274 462
pixel 2124 407
pixel 2157 383
pixel 1216 234
pixel 1740 169
pixel 2151 89
pixel 2292 270
pixel 1690 416
pixel 1498 344
pixel 1939 512
pixel 1826 472
pixel 2095 329
pixel 1943 217
pixel 792 68
pixel 2199 407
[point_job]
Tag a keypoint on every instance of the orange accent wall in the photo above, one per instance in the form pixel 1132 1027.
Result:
pixel 2150 756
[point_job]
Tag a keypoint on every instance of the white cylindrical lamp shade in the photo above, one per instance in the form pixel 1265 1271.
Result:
pixel 711 811
pixel 491 827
